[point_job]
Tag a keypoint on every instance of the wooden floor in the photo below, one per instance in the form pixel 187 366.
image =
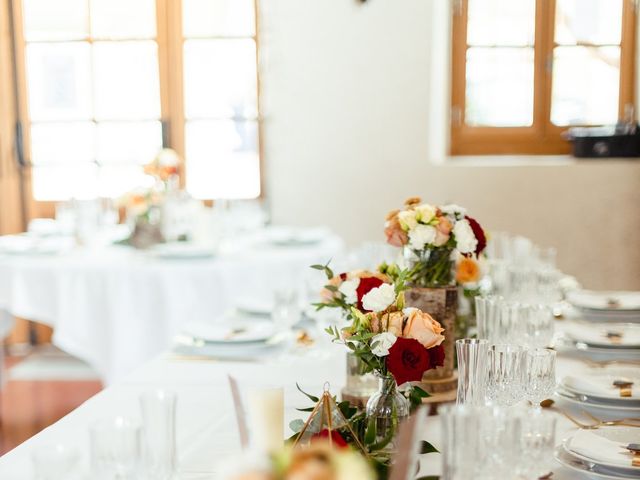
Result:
pixel 27 407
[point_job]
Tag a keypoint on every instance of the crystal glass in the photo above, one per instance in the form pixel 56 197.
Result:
pixel 115 449
pixel 538 440
pixel 53 462
pixel 387 408
pixel 159 433
pixel 504 374
pixel 472 370
pixel 489 317
pixel 286 309
pixel 538 324
pixel 478 442
pixel 539 374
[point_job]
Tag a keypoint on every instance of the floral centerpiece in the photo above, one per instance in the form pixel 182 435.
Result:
pixel 164 168
pixel 432 237
pixel 396 343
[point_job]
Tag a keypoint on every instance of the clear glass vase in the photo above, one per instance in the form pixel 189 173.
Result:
pixel 386 410
pixel 430 268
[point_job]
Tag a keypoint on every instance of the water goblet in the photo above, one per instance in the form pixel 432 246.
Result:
pixel 472 367
pixel 504 374
pixel 158 409
pixel 539 374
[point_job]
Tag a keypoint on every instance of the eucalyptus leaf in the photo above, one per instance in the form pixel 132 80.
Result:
pixel 309 396
pixel 296 425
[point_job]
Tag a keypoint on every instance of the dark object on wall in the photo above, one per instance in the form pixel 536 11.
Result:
pixel 600 142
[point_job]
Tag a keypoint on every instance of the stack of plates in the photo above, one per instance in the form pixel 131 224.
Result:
pixel 235 339
pixel 597 394
pixel 600 453
pixel 606 306
pixel 610 339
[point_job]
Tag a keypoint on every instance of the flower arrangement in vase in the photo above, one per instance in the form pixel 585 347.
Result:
pixel 396 343
pixel 432 237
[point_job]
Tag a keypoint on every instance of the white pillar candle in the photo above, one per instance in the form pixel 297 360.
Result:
pixel 266 418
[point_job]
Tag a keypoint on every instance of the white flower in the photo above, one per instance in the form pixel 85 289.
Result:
pixel 453 209
pixel 384 341
pixel 421 236
pixel 407 311
pixel 407 219
pixel 425 213
pixel 379 298
pixel 348 289
pixel 466 241
pixel 168 158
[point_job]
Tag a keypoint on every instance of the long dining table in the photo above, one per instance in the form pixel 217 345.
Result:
pixel 206 426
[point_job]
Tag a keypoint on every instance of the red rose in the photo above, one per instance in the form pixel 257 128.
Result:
pixel 436 356
pixel 336 439
pixel 343 276
pixel 408 360
pixel 365 286
pixel 479 234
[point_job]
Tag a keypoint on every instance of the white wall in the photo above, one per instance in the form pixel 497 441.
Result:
pixel 355 121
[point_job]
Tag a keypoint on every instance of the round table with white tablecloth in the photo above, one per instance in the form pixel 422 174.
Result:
pixel 116 307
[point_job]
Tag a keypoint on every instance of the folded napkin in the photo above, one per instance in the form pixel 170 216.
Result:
pixel 597 334
pixel 600 386
pixel 600 449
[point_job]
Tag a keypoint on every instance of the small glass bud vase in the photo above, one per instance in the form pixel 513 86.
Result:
pixel 387 409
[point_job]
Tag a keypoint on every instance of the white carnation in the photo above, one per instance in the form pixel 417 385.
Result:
pixel 348 289
pixel 384 341
pixel 407 219
pixel 453 209
pixel 422 235
pixel 466 241
pixel 425 213
pixel 379 298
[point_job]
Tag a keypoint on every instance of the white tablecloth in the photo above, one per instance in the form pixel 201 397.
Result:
pixel 206 429
pixel 117 308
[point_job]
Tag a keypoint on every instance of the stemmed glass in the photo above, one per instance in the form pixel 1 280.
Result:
pixel 539 375
pixel 504 374
pixel 538 441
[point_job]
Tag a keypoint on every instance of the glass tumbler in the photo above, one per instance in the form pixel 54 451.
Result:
pixel 158 409
pixel 115 449
pixel 472 368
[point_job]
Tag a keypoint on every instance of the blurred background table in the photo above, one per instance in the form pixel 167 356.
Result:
pixel 116 307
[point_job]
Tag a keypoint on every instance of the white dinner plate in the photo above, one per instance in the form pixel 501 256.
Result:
pixel 588 468
pixel 605 301
pixel 620 434
pixel 627 334
pixel 606 378
pixel 232 332
pixel 254 306
pixel 609 410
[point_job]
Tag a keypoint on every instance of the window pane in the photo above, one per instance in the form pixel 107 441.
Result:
pixel 202 18
pixel 220 78
pixel 62 183
pixel 115 181
pixel 596 22
pixel 222 159
pixel 59 84
pixel 499 87
pixel 62 143
pixel 501 22
pixel 123 18
pixel 126 80
pixel 136 143
pixel 585 86
pixel 55 20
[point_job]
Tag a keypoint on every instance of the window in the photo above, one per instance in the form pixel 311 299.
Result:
pixel 107 83
pixel 524 71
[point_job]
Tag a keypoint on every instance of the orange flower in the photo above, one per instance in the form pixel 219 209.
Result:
pixel 412 201
pixel 468 271
pixel 422 327
pixel 392 323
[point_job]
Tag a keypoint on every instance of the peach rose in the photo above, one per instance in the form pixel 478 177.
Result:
pixel 443 231
pixel 396 236
pixel 422 327
pixel 392 323
pixel 411 201
pixel 468 271
pixel 375 322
